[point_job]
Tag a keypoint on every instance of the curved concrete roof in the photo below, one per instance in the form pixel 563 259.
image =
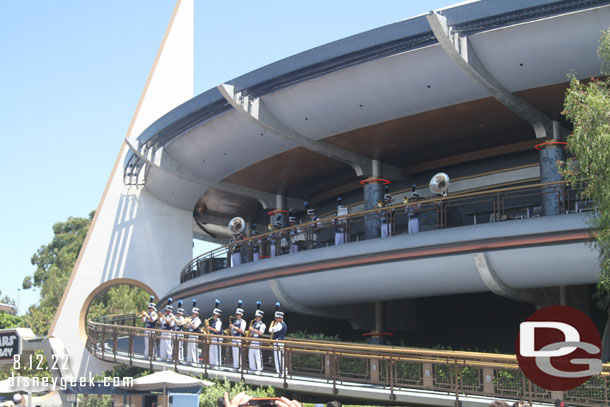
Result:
pixel 379 76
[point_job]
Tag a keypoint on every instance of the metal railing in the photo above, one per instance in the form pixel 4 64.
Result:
pixel 496 205
pixel 389 368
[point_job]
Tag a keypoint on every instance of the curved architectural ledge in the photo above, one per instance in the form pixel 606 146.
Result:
pixel 528 253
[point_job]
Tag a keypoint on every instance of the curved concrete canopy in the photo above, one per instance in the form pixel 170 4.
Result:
pixel 393 72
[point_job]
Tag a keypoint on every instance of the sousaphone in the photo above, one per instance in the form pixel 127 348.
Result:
pixel 237 225
pixel 439 184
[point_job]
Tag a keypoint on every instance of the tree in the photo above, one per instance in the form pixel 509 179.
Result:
pixel 6 299
pixel 120 299
pixel 587 106
pixel 10 321
pixel 54 263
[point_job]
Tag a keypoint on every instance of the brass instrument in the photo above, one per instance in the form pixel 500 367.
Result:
pixel 206 323
pixel 227 331
pixel 144 314
pixel 236 225
pixel 380 204
pixel 248 332
pixel 271 325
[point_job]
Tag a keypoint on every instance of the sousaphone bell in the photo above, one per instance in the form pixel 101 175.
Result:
pixel 237 225
pixel 439 184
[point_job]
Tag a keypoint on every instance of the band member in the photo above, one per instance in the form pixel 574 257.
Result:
pixel 295 234
pixel 340 228
pixel 385 215
pixel 193 326
pixel 278 330
pixel 238 328
pixel 413 211
pixel 257 330
pixel 167 324
pixel 254 243
pixel 178 327
pixel 150 320
pixel 215 328
pixel 313 218
pixel 273 240
pixel 236 249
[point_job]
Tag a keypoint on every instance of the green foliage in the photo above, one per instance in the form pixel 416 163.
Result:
pixel 54 263
pixel 587 106
pixel 36 366
pixel 10 321
pixel 122 370
pixel 313 336
pixel 210 395
pixel 93 401
pixel 120 299
pixel 6 299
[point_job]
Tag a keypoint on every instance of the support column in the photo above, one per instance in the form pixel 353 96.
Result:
pixel 280 204
pixel 377 339
pixel 373 192
pixel 551 197
pixel 549 155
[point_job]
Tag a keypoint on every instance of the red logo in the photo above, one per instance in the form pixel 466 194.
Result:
pixel 559 348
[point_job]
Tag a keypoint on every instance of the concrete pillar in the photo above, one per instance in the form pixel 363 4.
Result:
pixel 428 380
pixel 373 192
pixel 488 383
pixel 549 155
pixel 280 203
pixel 375 365
pixel 377 339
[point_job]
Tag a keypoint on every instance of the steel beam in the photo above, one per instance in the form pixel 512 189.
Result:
pixel 256 110
pixel 462 53
pixel 164 162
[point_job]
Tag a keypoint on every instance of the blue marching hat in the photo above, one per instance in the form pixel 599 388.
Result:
pixel 169 307
pixel 239 310
pixel 217 311
pixel 278 313
pixel 151 304
pixel 259 312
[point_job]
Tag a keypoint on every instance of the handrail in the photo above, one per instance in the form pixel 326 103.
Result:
pixel 387 367
pixel 437 204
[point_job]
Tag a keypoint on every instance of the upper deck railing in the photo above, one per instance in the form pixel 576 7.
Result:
pixel 504 204
pixel 121 339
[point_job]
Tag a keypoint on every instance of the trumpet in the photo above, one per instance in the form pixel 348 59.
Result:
pixel 144 314
pixel 380 204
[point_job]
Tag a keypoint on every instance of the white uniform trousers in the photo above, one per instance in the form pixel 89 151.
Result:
pixel 413 225
pixel 278 357
pixel 180 337
pixel 385 228
pixel 339 238
pixel 235 259
pixel 254 357
pixel 192 355
pixel 166 347
pixel 215 352
pixel 255 256
pixel 236 353
pixel 147 339
pixel 294 248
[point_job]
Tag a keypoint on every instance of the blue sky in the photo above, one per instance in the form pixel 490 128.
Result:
pixel 72 74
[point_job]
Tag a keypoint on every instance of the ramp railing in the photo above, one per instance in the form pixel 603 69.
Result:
pixel 337 363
